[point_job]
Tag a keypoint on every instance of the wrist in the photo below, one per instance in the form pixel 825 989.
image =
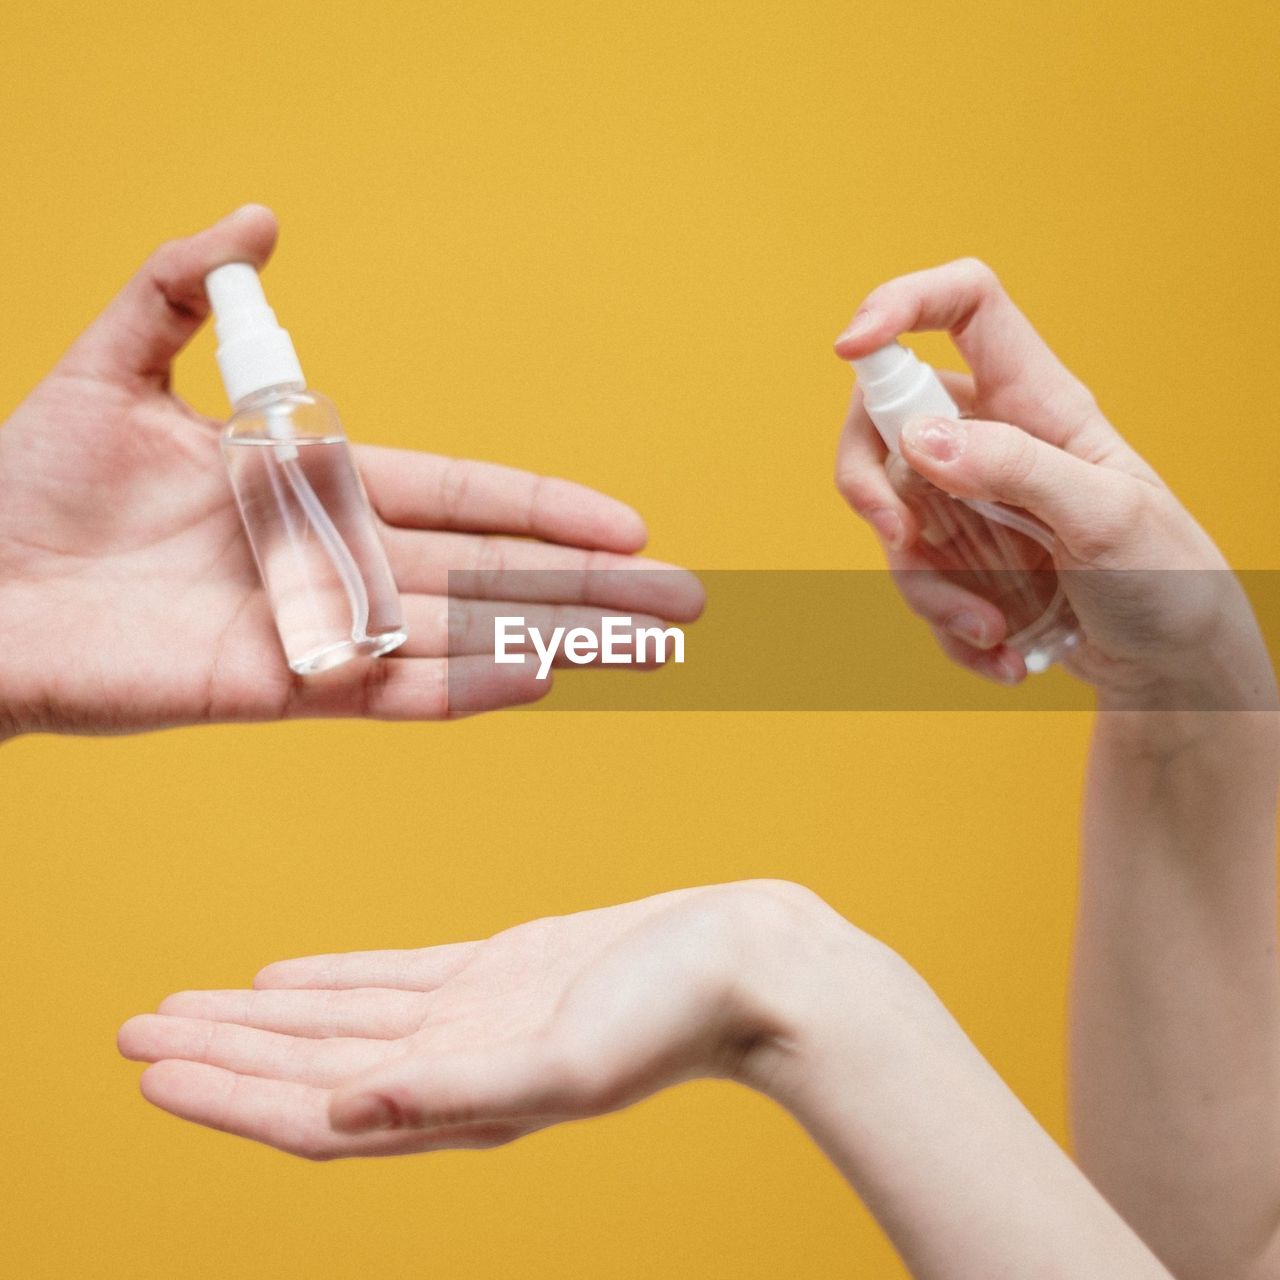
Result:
pixel 1178 767
pixel 1222 701
pixel 818 1000
pixel 1228 668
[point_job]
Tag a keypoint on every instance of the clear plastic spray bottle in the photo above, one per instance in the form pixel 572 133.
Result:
pixel 313 533
pixel 1001 553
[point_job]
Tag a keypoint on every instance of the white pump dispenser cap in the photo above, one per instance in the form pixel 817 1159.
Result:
pixel 897 386
pixel 254 352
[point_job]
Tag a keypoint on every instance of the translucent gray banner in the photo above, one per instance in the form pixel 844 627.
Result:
pixel 838 640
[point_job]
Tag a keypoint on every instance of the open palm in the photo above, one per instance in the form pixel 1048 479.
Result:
pixel 128 595
pixel 467 1044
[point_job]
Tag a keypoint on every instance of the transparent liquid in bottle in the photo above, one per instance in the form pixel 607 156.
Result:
pixel 316 543
pixel 1001 554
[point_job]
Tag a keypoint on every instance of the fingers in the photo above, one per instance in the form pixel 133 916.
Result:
pixel 1083 504
pixel 1001 664
pixel 283 1114
pixel 292 1117
pixel 506 1083
pixel 945 605
pixel 496 568
pixel 367 1013
pixel 998 342
pixel 860 469
pixel 423 969
pixel 398 688
pixel 151 1037
pixel 154 316
pixel 861 479
pixel 424 491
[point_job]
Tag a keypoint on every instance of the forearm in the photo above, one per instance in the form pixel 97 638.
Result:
pixel 1176 1007
pixel 963 1180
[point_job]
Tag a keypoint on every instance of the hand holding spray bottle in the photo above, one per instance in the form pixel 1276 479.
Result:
pixel 314 535
pixel 999 553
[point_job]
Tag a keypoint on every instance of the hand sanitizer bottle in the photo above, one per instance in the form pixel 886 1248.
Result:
pixel 314 535
pixel 1000 553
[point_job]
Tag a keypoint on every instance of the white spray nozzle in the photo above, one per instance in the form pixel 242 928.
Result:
pixel 883 364
pixel 254 352
pixel 897 386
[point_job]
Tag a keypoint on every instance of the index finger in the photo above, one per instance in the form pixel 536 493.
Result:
pixel 1018 377
pixel 426 491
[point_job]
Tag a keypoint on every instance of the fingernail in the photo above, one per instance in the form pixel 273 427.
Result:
pixel 937 438
pixel 246 211
pixel 888 524
pixel 366 1114
pixel 1005 668
pixel 968 626
pixel 861 325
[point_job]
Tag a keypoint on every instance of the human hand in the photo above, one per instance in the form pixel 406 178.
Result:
pixel 128 594
pixel 1038 441
pixel 475 1044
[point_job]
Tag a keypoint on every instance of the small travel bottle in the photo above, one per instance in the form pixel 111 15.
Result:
pixel 1001 553
pixel 314 535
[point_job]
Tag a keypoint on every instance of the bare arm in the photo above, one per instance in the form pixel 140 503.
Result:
pixel 384 1053
pixel 1176 1024
pixel 963 1179
pixel 1176 1010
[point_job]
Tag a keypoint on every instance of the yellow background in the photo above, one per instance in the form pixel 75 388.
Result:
pixel 612 241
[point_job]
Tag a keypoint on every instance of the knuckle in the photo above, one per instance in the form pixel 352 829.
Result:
pixel 454 481
pixel 779 890
pixel 452 631
pixel 875 298
pixel 767 904
pixel 1086 404
pixel 1011 459
pixel 163 255
pixel 977 274
pixel 912 586
pixel 859 489
pixel 1022 459
pixel 373 683
pixel 537 496
pixel 490 566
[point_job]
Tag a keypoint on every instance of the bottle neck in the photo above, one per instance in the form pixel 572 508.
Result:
pixel 898 386
pixel 263 395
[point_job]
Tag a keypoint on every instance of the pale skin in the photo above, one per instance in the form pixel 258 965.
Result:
pixel 478 1043
pixel 1175 1030
pixel 128 595
pixel 384 1053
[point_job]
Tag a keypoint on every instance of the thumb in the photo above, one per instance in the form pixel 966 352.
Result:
pixel 425 1091
pixel 154 316
pixel 997 462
